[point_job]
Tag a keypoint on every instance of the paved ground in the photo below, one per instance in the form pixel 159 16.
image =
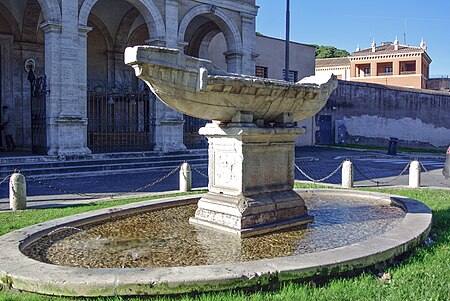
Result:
pixel 371 169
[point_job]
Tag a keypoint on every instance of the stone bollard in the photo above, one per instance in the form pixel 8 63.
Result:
pixel 185 177
pixel 414 174
pixel 17 192
pixel 347 174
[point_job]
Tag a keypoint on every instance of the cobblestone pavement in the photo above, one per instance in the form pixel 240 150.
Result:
pixel 371 169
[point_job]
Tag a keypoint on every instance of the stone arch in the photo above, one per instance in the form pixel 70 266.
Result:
pixel 220 18
pixel 51 10
pixel 124 29
pixel 147 8
pixel 30 25
pixel 100 43
pixel 94 20
pixel 13 27
pixel 136 37
pixel 204 45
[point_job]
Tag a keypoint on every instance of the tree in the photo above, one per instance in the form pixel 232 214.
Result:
pixel 323 52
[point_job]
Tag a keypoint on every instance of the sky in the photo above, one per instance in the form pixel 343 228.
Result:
pixel 345 24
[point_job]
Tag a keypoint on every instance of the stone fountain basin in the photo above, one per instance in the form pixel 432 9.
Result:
pixel 198 88
pixel 20 272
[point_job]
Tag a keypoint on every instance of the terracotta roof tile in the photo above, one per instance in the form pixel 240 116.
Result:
pixel 332 62
pixel 387 49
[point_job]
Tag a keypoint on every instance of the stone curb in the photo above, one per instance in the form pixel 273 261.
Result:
pixel 20 272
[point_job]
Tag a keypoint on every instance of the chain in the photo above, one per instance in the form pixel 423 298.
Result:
pixel 434 178
pixel 382 182
pixel 199 172
pixel 99 196
pixel 5 179
pixel 94 196
pixel 321 180
pixel 157 181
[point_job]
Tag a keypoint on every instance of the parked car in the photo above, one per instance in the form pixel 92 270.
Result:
pixel 446 170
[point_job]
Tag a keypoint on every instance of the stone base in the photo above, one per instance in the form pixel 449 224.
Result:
pixel 251 215
pixel 251 177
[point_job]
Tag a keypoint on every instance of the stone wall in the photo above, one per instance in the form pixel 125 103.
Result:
pixel 373 113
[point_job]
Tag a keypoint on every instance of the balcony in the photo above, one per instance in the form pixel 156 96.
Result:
pixel 407 72
pixel 384 73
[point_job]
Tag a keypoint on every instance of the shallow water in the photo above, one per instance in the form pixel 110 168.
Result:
pixel 164 238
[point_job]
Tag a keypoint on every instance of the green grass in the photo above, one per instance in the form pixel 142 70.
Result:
pixel 423 276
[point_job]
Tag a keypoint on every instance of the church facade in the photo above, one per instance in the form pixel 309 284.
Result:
pixel 62 73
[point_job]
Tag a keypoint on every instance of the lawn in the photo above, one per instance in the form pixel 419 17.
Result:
pixel 423 276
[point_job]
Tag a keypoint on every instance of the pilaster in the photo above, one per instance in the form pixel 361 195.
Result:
pixel 234 61
pixel 168 129
pixel 65 64
pixel 248 43
pixel 169 123
pixel 52 34
pixel 171 23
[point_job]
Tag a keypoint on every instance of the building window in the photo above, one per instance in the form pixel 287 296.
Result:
pixel 362 70
pixel 293 75
pixel 384 69
pixel 261 71
pixel 408 67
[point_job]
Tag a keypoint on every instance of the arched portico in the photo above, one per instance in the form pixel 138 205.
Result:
pixel 147 8
pixel 215 21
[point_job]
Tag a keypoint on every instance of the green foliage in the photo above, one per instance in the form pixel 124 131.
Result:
pixel 323 52
pixel 423 276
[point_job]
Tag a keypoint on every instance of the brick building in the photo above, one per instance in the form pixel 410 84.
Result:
pixel 388 64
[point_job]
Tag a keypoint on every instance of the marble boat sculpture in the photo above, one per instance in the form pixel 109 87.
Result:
pixel 251 139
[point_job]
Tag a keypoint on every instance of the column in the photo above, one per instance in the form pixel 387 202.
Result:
pixel 234 61
pixel 248 43
pixel 111 65
pixel 65 67
pixel 172 23
pixel 52 34
pixel 82 82
pixel 169 123
pixel 373 69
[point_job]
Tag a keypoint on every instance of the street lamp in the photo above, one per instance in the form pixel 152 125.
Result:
pixel 286 55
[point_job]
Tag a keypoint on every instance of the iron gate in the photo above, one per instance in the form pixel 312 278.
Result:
pixel 191 137
pixel 38 114
pixel 120 117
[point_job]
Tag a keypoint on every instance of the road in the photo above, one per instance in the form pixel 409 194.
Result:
pixel 371 169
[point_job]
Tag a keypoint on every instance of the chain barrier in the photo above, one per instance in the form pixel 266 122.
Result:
pixel 434 178
pixel 99 196
pixel 154 182
pixel 199 172
pixel 382 182
pixel 93 196
pixel 5 179
pixel 320 180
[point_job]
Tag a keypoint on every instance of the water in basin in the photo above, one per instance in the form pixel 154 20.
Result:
pixel 164 238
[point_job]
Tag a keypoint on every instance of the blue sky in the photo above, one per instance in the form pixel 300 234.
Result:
pixel 347 23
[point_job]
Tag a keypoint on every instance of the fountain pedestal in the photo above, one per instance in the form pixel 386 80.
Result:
pixel 251 168
pixel 251 179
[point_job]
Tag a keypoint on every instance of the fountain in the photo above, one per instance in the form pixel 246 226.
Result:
pixel 251 139
pixel 233 238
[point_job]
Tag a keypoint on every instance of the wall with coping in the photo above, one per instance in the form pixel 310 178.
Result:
pixel 373 113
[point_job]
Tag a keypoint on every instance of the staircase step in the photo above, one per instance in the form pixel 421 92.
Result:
pixel 99 163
